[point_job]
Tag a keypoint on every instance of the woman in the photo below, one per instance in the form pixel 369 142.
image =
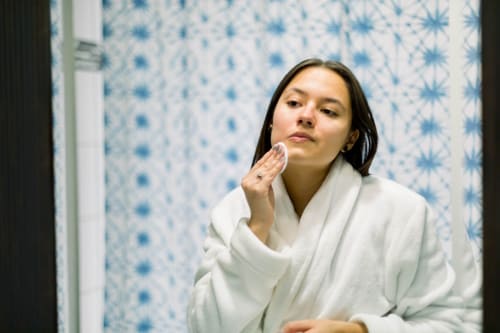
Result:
pixel 323 246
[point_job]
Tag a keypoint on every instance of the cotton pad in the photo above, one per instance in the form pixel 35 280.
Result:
pixel 281 146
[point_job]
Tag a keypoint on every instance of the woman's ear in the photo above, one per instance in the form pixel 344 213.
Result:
pixel 353 137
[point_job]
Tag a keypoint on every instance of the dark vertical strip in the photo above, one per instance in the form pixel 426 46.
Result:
pixel 27 232
pixel 490 24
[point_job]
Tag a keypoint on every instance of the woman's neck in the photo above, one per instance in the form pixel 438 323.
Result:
pixel 301 184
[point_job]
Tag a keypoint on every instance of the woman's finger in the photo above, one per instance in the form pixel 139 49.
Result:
pixel 269 166
pixel 298 326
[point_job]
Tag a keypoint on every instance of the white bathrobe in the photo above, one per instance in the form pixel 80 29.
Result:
pixel 365 249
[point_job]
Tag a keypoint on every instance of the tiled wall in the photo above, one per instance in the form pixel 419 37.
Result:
pixel 186 87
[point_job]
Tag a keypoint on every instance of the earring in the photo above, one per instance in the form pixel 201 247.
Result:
pixel 345 149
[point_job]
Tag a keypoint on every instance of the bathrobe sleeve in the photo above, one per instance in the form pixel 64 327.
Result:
pixel 418 281
pixel 236 278
pixel 468 284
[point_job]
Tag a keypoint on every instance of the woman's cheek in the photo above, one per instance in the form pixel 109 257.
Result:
pixel 277 133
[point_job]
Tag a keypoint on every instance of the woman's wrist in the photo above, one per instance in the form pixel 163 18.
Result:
pixel 362 327
pixel 260 230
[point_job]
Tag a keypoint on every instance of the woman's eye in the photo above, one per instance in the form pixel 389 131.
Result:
pixel 329 112
pixel 292 103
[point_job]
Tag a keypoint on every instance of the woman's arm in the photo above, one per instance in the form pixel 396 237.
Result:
pixel 324 326
pixel 234 283
pixel 468 284
pixel 419 281
pixel 239 272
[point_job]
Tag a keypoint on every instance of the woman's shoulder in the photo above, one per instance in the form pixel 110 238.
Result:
pixel 389 190
pixel 399 210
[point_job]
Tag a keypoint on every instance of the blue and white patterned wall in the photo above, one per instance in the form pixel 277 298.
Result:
pixel 471 113
pixel 186 87
pixel 58 120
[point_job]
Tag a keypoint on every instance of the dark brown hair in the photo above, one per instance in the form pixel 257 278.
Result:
pixel 362 153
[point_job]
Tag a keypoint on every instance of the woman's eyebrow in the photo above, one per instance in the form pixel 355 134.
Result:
pixel 298 91
pixel 334 101
pixel 324 99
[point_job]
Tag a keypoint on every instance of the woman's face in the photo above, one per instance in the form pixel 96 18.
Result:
pixel 313 118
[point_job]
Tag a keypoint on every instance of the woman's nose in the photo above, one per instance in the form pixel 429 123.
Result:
pixel 306 117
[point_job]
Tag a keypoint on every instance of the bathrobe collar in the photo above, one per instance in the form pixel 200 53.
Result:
pixel 313 240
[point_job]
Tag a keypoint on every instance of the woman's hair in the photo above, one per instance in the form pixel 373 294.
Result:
pixel 362 153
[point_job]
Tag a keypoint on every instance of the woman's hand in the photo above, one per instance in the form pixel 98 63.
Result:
pixel 324 326
pixel 259 192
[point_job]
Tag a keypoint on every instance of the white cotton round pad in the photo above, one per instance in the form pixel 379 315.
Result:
pixel 282 146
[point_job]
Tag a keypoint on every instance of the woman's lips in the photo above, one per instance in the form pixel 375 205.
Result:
pixel 300 137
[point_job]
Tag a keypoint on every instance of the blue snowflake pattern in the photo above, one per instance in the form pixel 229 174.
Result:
pixel 144 268
pixel 141 33
pixel 435 22
pixel 143 209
